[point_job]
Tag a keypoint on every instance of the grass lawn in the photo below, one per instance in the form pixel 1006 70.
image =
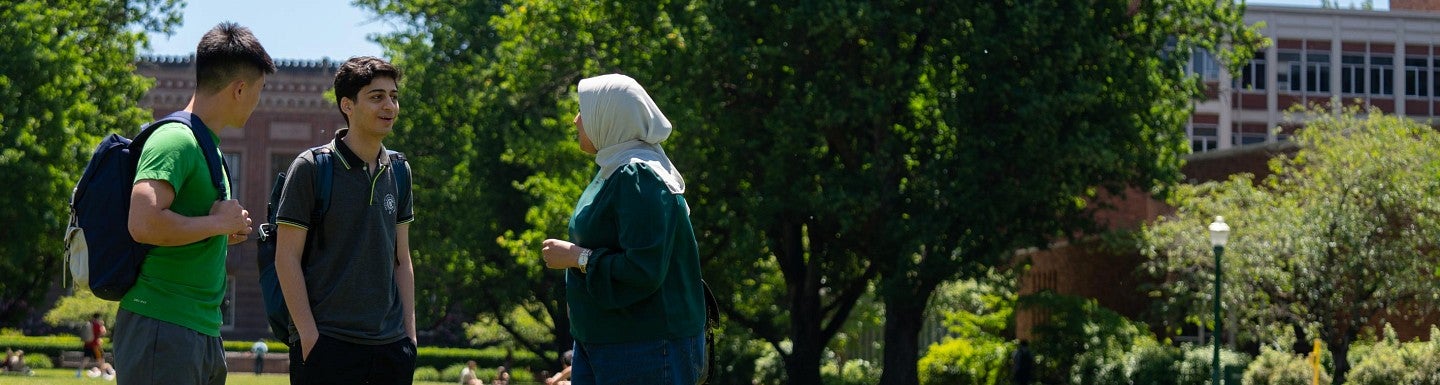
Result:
pixel 67 376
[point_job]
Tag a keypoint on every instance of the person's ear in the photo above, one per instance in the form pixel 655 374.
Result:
pixel 237 89
pixel 347 105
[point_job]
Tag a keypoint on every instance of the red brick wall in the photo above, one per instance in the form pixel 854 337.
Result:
pixel 1415 5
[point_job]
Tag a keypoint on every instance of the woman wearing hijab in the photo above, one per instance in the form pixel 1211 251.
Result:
pixel 637 308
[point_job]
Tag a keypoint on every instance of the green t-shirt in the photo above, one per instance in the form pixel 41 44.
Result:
pixel 183 285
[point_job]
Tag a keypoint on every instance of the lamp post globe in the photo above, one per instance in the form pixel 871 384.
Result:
pixel 1219 234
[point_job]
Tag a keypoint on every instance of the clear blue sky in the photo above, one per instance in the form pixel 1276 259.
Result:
pixel 289 29
pixel 313 29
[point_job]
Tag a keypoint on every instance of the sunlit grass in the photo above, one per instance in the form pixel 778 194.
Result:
pixel 67 377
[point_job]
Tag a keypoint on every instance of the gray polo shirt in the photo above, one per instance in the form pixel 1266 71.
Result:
pixel 350 271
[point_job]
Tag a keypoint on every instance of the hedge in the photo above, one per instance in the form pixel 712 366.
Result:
pixel 435 357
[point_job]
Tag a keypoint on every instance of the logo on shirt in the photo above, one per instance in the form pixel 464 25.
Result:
pixel 390 203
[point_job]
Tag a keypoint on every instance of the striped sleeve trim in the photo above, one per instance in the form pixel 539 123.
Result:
pixel 405 221
pixel 290 223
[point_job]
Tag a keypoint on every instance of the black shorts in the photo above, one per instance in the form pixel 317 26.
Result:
pixel 92 351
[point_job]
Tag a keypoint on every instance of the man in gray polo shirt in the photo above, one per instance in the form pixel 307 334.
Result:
pixel 351 287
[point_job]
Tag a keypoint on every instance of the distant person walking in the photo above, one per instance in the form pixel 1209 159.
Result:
pixel 94 336
pixel 259 349
pixel 1023 362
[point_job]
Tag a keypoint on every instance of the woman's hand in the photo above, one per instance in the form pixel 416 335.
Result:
pixel 560 254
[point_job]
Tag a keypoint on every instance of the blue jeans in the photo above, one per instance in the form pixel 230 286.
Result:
pixel 660 362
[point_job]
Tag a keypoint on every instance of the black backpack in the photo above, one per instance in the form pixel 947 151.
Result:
pixel 276 312
pixel 99 249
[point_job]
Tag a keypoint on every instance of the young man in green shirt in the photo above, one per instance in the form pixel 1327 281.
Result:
pixel 168 327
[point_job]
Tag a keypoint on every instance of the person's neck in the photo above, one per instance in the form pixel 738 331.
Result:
pixel 367 147
pixel 210 113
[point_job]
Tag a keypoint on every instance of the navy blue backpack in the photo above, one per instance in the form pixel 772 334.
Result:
pixel 100 251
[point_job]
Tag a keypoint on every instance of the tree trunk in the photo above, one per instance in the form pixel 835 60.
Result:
pixel 1340 350
pixel 802 366
pixel 904 316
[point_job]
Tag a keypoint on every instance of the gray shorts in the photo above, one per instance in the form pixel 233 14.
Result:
pixel 153 352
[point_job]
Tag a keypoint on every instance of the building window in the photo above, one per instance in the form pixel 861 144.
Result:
pixel 1287 68
pixel 227 306
pixel 235 169
pixel 1352 74
pixel 1249 138
pixel 1417 77
pixel 1252 77
pixel 1382 75
pixel 1317 73
pixel 1203 138
pixel 1204 64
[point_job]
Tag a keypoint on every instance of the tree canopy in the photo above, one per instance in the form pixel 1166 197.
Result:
pixel 1343 233
pixel 828 146
pixel 67 69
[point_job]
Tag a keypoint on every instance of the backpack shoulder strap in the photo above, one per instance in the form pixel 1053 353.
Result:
pixel 401 169
pixel 218 168
pixel 324 179
pixel 324 182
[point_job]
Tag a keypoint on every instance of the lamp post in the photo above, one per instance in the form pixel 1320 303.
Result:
pixel 1219 234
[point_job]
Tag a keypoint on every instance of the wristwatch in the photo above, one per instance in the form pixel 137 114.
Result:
pixel 584 259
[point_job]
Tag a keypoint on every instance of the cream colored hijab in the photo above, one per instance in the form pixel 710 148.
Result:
pixel 626 127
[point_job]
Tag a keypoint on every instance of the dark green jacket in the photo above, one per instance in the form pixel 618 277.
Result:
pixel 642 281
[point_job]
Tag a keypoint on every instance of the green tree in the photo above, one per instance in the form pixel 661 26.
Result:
pixel 67 72
pixel 921 142
pixel 826 145
pixel 1343 232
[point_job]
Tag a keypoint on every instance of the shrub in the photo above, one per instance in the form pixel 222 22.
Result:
pixel 452 373
pixel 1197 367
pixel 38 361
pixel 426 373
pixel 854 372
pixel 1275 367
pixel 1381 366
pixel 961 361
pixel 1077 326
pixel 274 347
pixel 1153 364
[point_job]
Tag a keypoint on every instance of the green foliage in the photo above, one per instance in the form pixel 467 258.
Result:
pixel 452 373
pixel 275 347
pixel 38 361
pixel 963 361
pixel 1077 327
pixel 77 308
pixel 868 166
pixel 854 372
pixel 1277 367
pixel 67 71
pixel 47 345
pixel 1198 365
pixel 1390 361
pixel 426 373
pixel 1153 364
pixel 1338 234
pixel 978 315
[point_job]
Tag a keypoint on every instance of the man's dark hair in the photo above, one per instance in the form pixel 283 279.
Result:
pixel 358 72
pixel 95 316
pixel 226 53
